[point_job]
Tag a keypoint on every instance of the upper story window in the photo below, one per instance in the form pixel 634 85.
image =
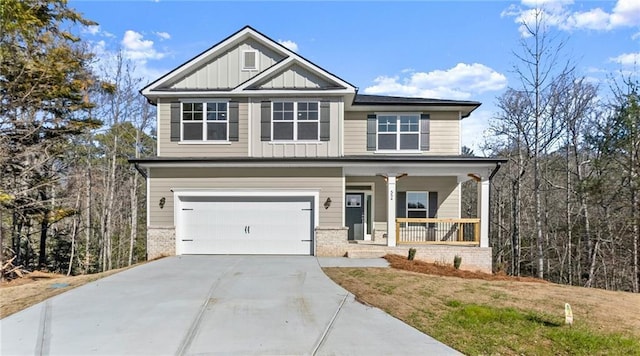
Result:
pixel 204 121
pixel 398 132
pixel 295 120
pixel 250 60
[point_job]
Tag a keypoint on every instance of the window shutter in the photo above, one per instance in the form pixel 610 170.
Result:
pixel 433 205
pixel 265 121
pixel 401 204
pixel 233 120
pixel 424 132
pixel 325 121
pixel 372 125
pixel 175 121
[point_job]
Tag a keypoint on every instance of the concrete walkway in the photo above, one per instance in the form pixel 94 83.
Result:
pixel 228 305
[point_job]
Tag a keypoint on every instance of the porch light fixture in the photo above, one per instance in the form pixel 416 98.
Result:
pixel 327 203
pixel 162 201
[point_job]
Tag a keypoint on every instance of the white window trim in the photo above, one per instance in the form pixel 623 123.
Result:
pixel 398 133
pixel 295 121
pixel 406 203
pixel 204 140
pixel 257 60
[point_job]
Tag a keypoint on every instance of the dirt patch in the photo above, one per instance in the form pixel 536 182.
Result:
pixel 21 293
pixel 401 262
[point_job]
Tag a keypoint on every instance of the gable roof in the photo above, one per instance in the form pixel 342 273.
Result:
pixel 158 86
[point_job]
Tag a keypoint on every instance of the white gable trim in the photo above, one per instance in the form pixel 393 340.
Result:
pixel 285 65
pixel 236 38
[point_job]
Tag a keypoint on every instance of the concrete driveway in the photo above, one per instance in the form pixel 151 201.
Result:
pixel 189 305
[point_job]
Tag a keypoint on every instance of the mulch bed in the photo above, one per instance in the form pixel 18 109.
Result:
pixel 401 262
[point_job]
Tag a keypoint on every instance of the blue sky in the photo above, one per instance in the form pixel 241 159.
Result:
pixel 453 49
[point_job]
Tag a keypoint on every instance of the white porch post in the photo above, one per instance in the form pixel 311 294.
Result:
pixel 391 210
pixel 483 211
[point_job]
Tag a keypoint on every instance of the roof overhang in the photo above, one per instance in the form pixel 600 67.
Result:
pixel 464 168
pixel 373 103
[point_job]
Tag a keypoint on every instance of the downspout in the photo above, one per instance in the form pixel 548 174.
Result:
pixel 493 173
pixel 140 170
pixel 495 170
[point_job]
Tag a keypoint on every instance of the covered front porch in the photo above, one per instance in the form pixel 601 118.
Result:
pixel 417 201
pixel 393 204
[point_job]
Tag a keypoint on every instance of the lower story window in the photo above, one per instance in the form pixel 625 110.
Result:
pixel 417 204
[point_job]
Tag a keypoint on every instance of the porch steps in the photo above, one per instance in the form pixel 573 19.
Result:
pixel 366 253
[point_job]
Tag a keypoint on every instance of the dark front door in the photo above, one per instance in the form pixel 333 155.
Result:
pixel 354 215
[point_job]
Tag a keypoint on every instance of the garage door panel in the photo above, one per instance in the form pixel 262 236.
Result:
pixel 225 226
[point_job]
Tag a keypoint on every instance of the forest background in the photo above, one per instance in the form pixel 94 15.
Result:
pixel 565 207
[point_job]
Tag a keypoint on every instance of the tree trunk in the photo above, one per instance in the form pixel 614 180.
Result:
pixel 1 246
pixel 44 231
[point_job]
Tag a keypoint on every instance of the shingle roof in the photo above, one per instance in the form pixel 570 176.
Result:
pixel 366 99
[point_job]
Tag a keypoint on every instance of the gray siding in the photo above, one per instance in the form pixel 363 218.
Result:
pixel 167 148
pixel 295 77
pixel 328 181
pixel 329 148
pixel 444 136
pixel 225 71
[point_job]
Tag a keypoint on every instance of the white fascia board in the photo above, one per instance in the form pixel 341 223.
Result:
pixel 404 108
pixel 264 74
pixel 460 170
pixel 212 52
pixel 294 59
pixel 251 93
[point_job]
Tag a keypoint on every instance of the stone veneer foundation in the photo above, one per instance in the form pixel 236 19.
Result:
pixel 331 241
pixel 161 241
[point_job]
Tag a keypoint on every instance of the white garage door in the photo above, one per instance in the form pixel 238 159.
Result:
pixel 245 225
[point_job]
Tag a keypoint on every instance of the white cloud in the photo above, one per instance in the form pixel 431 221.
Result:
pixel 475 129
pixel 627 59
pixel 289 44
pixel 163 35
pixel 460 82
pixel 594 19
pixel 138 49
pixel 92 30
pixel 625 13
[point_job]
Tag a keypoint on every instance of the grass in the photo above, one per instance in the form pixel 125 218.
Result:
pixel 505 317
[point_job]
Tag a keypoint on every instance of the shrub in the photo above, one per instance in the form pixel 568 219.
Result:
pixel 457 260
pixel 412 254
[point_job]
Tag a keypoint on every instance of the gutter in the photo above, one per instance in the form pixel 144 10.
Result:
pixel 495 170
pixel 140 170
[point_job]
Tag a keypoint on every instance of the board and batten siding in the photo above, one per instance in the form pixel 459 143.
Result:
pixel 295 78
pixel 168 148
pixel 327 181
pixel 444 134
pixel 225 70
pixel 447 187
pixel 282 149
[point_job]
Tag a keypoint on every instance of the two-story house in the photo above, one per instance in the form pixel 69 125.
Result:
pixel 261 151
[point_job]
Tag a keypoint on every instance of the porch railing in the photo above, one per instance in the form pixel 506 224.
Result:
pixel 438 231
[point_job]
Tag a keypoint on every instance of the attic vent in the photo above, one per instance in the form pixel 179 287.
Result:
pixel 249 60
